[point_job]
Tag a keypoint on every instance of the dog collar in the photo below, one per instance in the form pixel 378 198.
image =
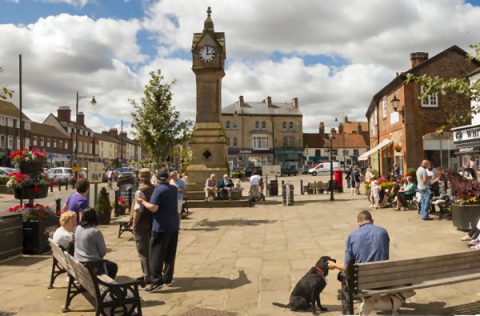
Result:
pixel 319 270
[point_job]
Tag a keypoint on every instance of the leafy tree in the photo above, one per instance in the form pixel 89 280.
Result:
pixel 5 93
pixel 156 122
pixel 460 86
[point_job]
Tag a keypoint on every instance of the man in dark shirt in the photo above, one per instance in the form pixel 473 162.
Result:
pixel 165 226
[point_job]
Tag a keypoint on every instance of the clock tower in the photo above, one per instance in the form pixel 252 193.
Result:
pixel 208 142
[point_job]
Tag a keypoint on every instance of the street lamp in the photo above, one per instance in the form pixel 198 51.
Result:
pixel 92 102
pixel 331 167
pixel 343 142
pixel 395 103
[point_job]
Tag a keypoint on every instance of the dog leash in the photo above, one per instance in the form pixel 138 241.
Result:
pixel 319 270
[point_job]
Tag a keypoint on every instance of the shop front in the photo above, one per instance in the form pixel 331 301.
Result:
pixel 243 158
pixel 467 144
pixel 289 157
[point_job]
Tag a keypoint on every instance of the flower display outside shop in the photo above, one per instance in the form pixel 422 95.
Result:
pixel 21 180
pixel 27 155
pixel 31 212
pixel 464 191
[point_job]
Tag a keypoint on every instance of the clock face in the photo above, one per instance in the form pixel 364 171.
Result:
pixel 206 54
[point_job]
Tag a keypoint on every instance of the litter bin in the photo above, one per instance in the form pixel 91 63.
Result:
pixel 287 194
pixel 273 188
pixel 338 176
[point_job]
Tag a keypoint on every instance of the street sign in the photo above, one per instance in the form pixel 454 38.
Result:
pixel 95 171
pixel 76 169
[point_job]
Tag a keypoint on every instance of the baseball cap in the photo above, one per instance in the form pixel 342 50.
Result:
pixel 162 175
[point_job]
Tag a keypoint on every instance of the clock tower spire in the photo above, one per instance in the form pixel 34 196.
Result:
pixel 208 141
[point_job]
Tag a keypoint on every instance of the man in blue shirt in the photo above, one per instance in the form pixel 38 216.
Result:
pixel 368 243
pixel 181 188
pixel 165 226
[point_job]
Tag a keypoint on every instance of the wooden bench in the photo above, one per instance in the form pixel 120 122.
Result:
pixel 59 263
pixel 316 187
pixel 108 296
pixel 386 277
pixel 124 225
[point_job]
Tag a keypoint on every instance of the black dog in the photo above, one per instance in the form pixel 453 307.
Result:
pixel 308 289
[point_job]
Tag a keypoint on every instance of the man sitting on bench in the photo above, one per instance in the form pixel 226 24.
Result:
pixel 225 186
pixel 210 188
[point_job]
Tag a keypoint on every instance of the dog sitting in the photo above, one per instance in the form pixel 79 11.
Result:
pixel 389 302
pixel 307 291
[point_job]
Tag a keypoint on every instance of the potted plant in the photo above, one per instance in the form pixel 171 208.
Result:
pixel 122 205
pixel 29 186
pixel 38 222
pixel 104 208
pixel 466 197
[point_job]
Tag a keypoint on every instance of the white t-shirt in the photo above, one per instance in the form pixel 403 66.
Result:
pixel 420 173
pixel 255 179
pixel 62 237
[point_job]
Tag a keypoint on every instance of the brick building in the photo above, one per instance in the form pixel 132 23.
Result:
pixel 10 130
pixel 263 133
pixel 404 135
pixel 350 140
pixel 56 142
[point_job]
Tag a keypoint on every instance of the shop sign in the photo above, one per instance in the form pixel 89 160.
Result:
pixel 245 151
pixel 465 150
pixel 466 134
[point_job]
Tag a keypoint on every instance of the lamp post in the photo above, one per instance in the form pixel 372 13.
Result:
pixel 92 102
pixel 343 142
pixel 331 167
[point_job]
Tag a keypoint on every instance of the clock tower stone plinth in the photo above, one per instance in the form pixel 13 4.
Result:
pixel 208 141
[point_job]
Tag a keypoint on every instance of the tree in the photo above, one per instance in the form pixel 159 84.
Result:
pixel 460 86
pixel 5 93
pixel 156 122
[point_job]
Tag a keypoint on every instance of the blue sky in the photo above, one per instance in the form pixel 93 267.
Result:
pixel 331 54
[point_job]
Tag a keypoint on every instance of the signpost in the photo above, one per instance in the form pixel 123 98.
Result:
pixel 94 174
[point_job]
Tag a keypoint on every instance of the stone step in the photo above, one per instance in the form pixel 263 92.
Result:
pixel 217 203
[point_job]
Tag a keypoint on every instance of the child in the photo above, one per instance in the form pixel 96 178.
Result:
pixel 375 194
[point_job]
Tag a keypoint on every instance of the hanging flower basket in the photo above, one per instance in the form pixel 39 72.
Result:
pixel 32 192
pixel 30 167
pixel 398 148
pixel 29 161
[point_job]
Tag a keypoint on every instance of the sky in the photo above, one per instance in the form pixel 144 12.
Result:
pixel 334 55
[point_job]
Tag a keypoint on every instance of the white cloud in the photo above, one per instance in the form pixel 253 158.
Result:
pixel 76 3
pixel 64 53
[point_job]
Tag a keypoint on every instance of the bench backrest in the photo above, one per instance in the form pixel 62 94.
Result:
pixel 374 275
pixel 319 185
pixel 81 274
pixel 57 253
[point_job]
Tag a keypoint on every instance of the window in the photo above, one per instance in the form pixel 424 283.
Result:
pixel 2 141
pixel 234 125
pixel 34 141
pixel 10 122
pixel 334 152
pixel 290 125
pixel 18 142
pixel 54 143
pixel 90 148
pixel 10 142
pixel 430 101
pixel 257 125
pixel 66 144
pixel 264 125
pixel 48 143
pixel 355 152
pixel 27 142
pixel 288 141
pixel 26 125
pixel 317 153
pixel 235 142
pixel 3 121
pixel 227 124
pixel 41 142
pixel 384 107
pixel 260 142
pixel 60 143
pixel 284 125
pixel 17 123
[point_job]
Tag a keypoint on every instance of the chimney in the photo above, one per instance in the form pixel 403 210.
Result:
pixel 418 58
pixel 359 128
pixel 340 128
pixel 81 118
pixel 269 101
pixel 240 101
pixel 321 129
pixel 295 103
pixel 112 132
pixel 63 113
pixel 345 119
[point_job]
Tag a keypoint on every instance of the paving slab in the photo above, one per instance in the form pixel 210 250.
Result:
pixel 241 260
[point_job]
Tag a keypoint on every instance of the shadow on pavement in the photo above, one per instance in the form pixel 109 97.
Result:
pixel 27 260
pixel 7 313
pixel 431 308
pixel 326 200
pixel 208 283
pixel 151 303
pixel 234 222
pixel 464 309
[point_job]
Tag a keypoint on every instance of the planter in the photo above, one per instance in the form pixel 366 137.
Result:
pixel 104 218
pixel 31 166
pixel 28 193
pixel 465 217
pixel 120 211
pixel 36 233
pixel 11 235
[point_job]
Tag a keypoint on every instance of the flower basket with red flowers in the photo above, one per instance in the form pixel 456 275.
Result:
pixel 122 206
pixel 29 161
pixel 31 212
pixel 28 186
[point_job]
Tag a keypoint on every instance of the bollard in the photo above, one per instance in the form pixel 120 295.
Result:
pixel 58 206
pixel 301 187
pixel 51 187
pixel 129 198
pixel 59 186
pixel 117 194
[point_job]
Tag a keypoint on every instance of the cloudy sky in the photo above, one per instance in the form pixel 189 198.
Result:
pixel 331 54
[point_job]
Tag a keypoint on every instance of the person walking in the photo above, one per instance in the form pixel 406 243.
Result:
pixel 142 222
pixel 355 181
pixel 423 186
pixel 165 225
pixel 77 201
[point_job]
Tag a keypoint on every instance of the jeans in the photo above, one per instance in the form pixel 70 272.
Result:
pixel 425 203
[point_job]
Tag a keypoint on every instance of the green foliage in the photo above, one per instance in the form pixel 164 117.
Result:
pixel 156 122
pixel 461 86
pixel 5 93
pixel 103 202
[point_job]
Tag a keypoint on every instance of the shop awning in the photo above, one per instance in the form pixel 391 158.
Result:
pixel 372 151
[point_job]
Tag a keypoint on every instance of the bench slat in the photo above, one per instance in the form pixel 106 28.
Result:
pixel 81 274
pixel 422 285
pixel 57 253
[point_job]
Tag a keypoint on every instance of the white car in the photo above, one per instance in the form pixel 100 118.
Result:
pixel 323 167
pixel 60 174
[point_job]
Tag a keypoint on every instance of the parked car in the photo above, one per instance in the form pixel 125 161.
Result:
pixel 60 175
pixel 289 171
pixel 126 177
pixel 323 167
pixel 7 170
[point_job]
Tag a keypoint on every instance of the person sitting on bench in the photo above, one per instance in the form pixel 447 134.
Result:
pixel 406 193
pixel 225 187
pixel 63 236
pixel 210 187
pixel 90 246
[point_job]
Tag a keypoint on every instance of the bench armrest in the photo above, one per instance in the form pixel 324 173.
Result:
pixel 121 284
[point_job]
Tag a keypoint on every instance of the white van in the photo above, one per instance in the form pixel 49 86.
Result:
pixel 323 167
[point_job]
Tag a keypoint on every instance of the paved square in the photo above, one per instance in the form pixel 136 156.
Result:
pixel 241 260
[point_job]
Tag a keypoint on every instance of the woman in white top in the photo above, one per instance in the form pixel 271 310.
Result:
pixel 63 236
